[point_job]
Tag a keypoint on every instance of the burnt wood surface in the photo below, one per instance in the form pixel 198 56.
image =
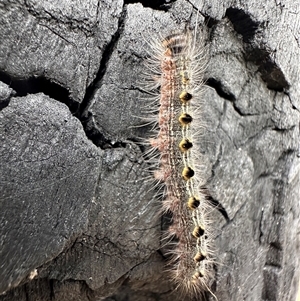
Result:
pixel 78 218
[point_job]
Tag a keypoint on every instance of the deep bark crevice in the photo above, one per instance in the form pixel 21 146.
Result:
pixel 271 74
pixel 242 23
pixel 217 205
pixel 220 89
pixel 163 5
pixel 248 28
pixel 107 52
pixel 34 85
pixel 86 117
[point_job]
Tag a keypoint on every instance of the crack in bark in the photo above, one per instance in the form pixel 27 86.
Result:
pixel 220 89
pixel 163 5
pixel 86 117
pixel 217 205
pixel 261 233
pixel 245 25
pixel 52 294
pixel 26 293
pixel 71 23
pixel 242 23
pixel 271 74
pixel 291 101
pixel 39 84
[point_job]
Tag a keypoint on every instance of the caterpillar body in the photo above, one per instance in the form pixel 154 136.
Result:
pixel 177 64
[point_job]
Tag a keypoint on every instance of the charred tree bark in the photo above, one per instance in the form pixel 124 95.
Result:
pixel 78 221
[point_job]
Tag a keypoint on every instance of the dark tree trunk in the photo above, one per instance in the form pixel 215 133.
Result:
pixel 78 220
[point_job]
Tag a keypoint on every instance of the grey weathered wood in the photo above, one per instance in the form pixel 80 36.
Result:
pixel 49 172
pixel 89 55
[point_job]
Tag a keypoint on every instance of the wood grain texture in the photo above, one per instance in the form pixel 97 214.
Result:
pixel 106 239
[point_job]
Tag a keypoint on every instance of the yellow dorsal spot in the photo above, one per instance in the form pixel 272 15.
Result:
pixel 197 275
pixel 199 257
pixel 198 231
pixel 193 203
pixel 185 119
pixel 185 96
pixel 185 145
pixel 187 173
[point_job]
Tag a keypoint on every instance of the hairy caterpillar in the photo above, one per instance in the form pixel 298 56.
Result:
pixel 177 64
